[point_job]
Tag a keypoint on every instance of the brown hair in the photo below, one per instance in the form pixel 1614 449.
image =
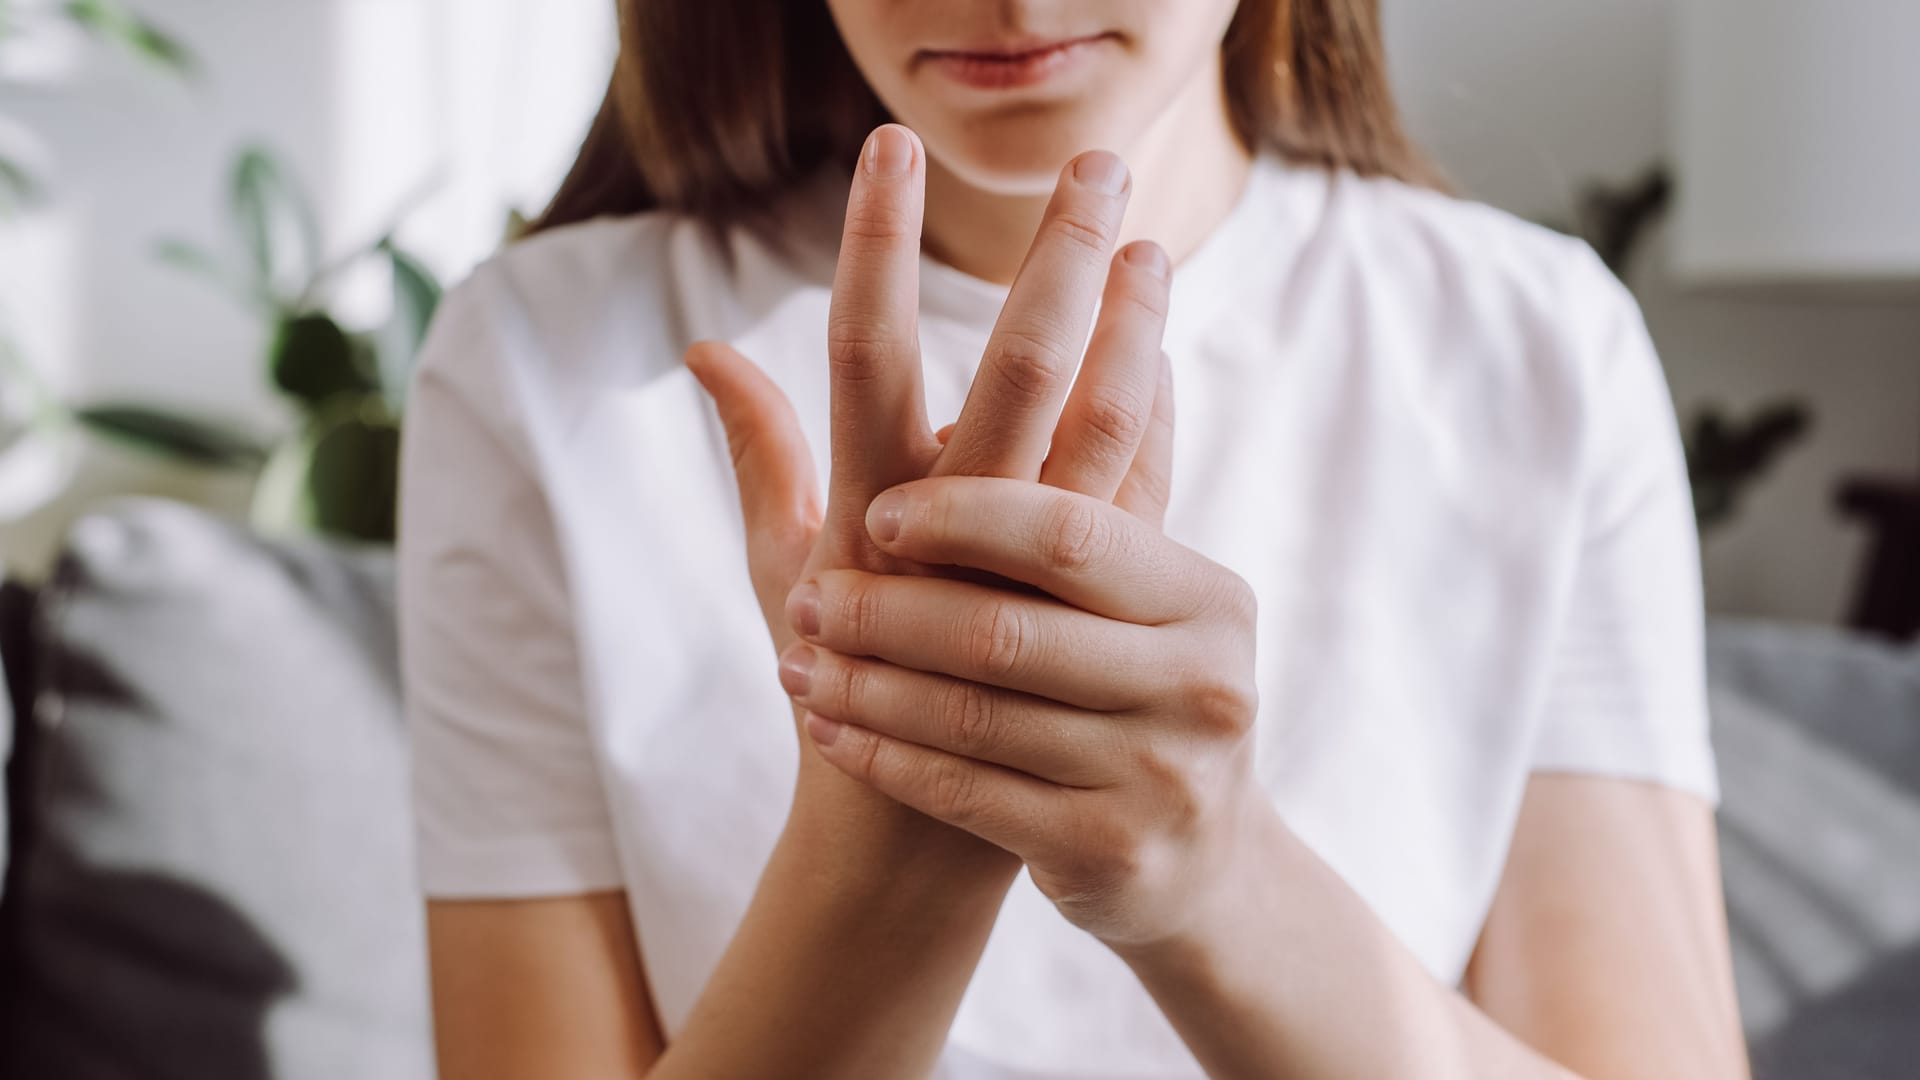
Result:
pixel 1305 78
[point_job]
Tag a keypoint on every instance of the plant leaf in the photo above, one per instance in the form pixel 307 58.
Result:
pixel 416 296
pixel 313 359
pixel 18 188
pixel 169 434
pixel 114 22
pixel 353 475
pixel 271 213
pixel 191 258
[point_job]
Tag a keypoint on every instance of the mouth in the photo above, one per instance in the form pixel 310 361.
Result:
pixel 1007 65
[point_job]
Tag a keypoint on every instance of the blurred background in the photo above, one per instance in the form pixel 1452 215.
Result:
pixel 223 224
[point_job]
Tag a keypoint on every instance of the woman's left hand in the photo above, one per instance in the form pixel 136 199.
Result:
pixel 1101 732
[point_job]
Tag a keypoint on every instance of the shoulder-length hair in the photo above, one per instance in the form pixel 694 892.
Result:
pixel 680 130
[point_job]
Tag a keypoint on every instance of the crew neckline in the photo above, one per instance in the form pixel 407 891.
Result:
pixel 1254 229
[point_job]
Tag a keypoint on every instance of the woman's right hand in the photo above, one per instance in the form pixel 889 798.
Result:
pixel 1112 438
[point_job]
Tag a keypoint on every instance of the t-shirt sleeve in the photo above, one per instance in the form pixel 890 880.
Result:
pixel 507 791
pixel 1626 693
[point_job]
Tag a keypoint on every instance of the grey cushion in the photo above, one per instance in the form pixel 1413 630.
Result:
pixel 220 880
pixel 1818 734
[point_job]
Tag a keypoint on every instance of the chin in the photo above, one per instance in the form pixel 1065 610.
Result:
pixel 1016 153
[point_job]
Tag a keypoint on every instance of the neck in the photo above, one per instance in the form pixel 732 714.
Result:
pixel 1188 171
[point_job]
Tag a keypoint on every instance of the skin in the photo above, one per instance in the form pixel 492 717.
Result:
pixel 1092 725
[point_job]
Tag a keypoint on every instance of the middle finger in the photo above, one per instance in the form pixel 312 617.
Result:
pixel 1032 644
pixel 1008 419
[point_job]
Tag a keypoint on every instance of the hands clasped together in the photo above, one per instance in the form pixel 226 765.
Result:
pixel 1097 725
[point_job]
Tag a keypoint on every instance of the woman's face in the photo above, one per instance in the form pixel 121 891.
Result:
pixel 1004 92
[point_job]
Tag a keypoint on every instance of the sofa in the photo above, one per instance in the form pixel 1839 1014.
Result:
pixel 208 872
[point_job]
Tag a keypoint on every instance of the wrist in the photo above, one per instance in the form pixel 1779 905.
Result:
pixel 867 841
pixel 1244 896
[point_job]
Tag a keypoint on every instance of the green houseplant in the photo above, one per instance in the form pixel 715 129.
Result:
pixel 338 471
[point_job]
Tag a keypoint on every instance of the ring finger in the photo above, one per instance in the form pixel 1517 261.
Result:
pixel 1112 398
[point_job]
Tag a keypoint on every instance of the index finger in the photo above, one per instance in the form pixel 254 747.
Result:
pixel 1078 549
pixel 879 423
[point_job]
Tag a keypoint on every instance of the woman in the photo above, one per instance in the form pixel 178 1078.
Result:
pixel 1352 725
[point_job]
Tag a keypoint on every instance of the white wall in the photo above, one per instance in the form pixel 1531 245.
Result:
pixel 1522 101
pixel 366 99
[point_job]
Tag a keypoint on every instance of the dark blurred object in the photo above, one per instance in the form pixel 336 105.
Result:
pixel 217 826
pixel 1887 600
pixel 1725 455
pixel 1615 219
pixel 215 876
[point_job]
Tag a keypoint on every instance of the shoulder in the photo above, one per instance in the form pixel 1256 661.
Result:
pixel 595 304
pixel 1522 291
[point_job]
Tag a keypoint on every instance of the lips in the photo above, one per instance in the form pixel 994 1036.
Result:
pixel 1009 65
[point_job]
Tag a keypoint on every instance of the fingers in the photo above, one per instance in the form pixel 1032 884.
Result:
pixel 983 634
pixel 1108 410
pixel 879 420
pixel 1009 416
pixel 771 463
pixel 1149 480
pixel 998 805
pixel 1073 547
pixel 1065 746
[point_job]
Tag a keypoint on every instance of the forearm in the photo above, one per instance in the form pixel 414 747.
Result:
pixel 1288 974
pixel 852 958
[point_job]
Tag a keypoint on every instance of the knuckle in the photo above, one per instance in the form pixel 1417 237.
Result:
pixel 973 718
pixel 866 762
pixel 1081 228
pixel 858 350
pixel 1223 706
pixel 1149 295
pixel 851 691
pixel 1077 538
pixel 862 614
pixel 997 640
pixel 876 222
pixel 940 516
pixel 1115 419
pixel 952 789
pixel 1026 367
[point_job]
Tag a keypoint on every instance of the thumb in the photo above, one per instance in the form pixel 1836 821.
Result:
pixel 779 496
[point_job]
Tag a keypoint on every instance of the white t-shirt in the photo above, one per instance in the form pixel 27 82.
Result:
pixel 1434 439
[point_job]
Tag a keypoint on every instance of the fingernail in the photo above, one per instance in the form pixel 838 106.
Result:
pixel 1101 171
pixel 889 153
pixel 1148 256
pixel 803 609
pixel 823 730
pixel 884 516
pixel 796 670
